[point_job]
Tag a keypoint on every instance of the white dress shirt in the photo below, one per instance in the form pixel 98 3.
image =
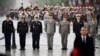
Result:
pixel 84 39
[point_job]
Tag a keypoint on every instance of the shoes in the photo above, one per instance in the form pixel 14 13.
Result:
pixel 50 49
pixel 97 47
pixel 35 48
pixel 7 50
pixel 22 49
pixel 64 49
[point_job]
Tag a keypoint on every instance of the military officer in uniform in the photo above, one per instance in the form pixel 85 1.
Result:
pixel 36 29
pixel 22 29
pixel 93 28
pixel 64 30
pixel 50 28
pixel 7 29
pixel 77 25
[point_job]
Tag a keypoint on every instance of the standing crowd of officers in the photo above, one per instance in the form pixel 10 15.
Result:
pixel 29 18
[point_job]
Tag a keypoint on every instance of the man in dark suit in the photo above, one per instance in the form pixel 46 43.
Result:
pixel 77 25
pixel 22 29
pixel 36 29
pixel 84 43
pixel 7 29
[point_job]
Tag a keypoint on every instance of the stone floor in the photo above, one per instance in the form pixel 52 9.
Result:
pixel 43 44
pixel 42 52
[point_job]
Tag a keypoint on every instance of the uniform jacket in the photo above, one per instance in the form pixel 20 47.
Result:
pixel 22 27
pixel 93 28
pixel 36 27
pixel 7 26
pixel 77 26
pixel 64 27
pixel 50 27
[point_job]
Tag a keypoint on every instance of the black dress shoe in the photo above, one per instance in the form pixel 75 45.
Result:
pixel 97 47
pixel 37 48
pixel 64 49
pixel 22 49
pixel 7 50
pixel 50 49
pixel 33 48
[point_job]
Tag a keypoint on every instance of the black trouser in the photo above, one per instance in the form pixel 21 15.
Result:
pixel 22 40
pixel 7 41
pixel 97 22
pixel 35 39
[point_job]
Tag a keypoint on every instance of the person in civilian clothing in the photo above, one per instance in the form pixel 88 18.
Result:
pixel 84 43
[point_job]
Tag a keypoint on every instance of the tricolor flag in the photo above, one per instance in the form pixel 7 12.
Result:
pixel 80 3
pixel 87 2
pixel 94 3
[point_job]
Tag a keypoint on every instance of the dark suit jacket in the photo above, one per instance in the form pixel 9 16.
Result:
pixel 85 49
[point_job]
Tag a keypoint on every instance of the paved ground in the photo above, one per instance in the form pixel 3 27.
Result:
pixel 43 44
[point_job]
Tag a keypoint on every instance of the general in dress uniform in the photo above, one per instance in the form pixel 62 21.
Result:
pixel 50 27
pixel 7 29
pixel 77 25
pixel 36 29
pixel 64 30
pixel 22 29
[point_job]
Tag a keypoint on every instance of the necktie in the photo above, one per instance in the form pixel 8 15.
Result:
pixel 84 40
